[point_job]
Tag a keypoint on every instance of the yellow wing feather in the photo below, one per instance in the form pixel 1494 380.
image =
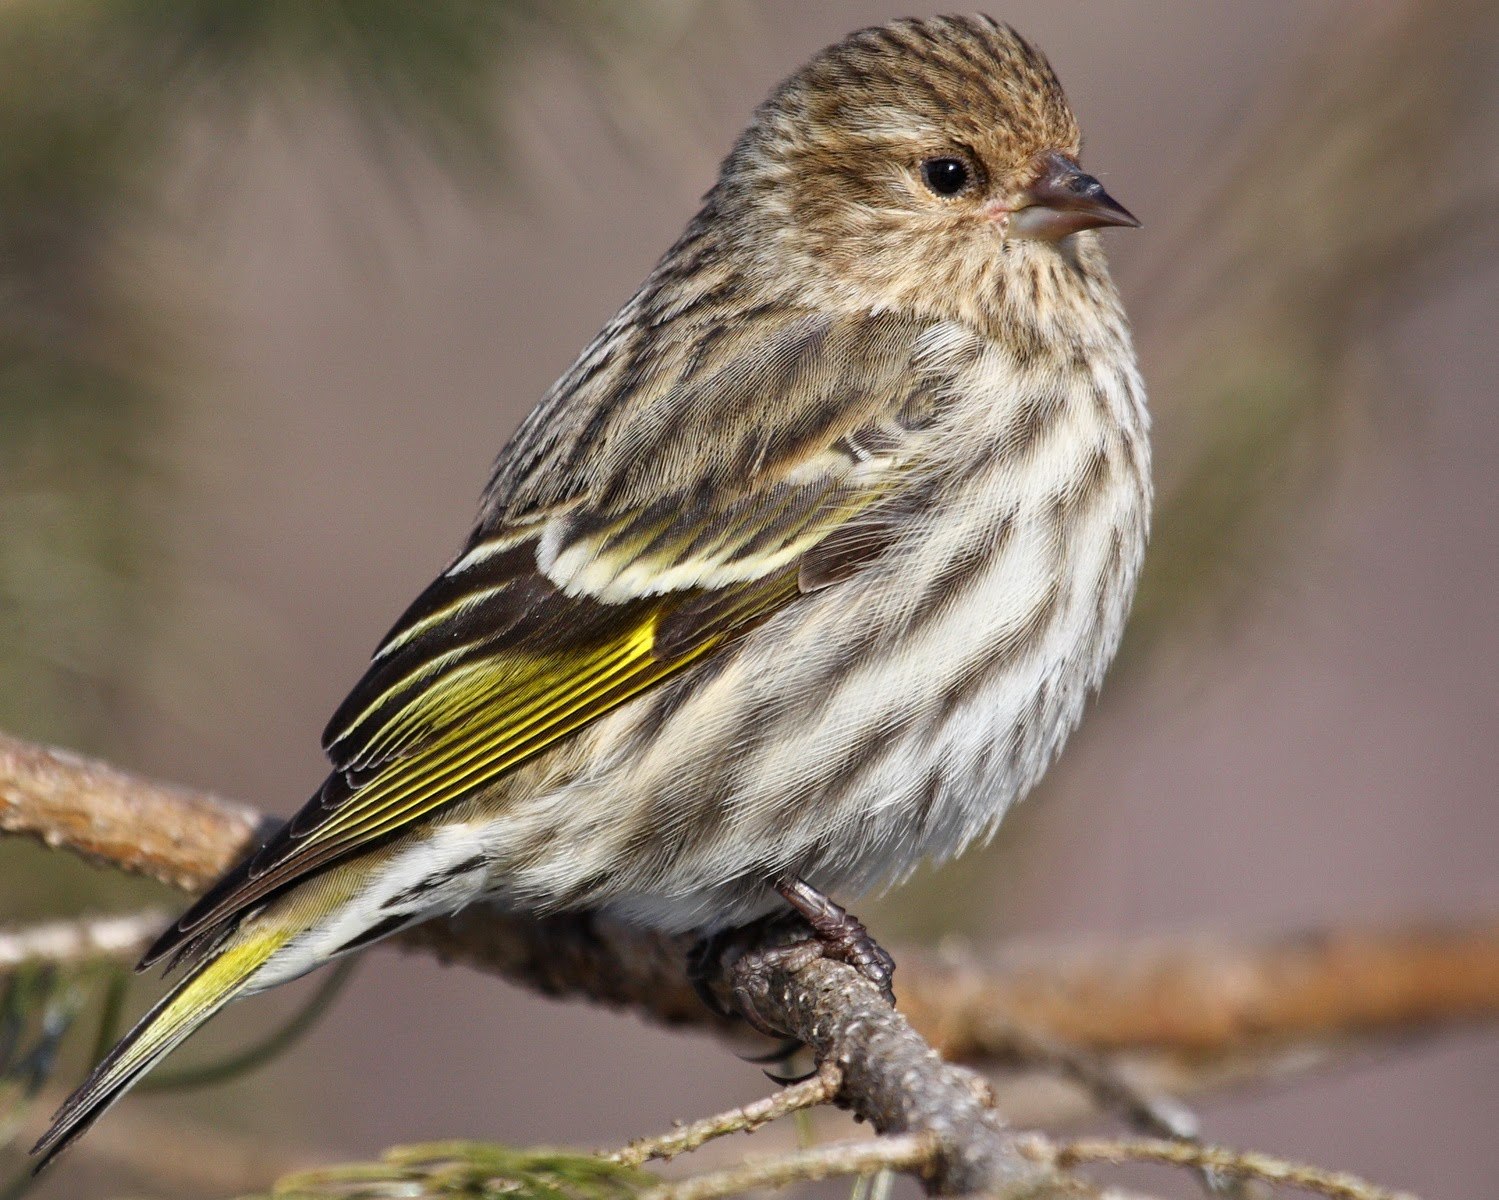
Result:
pixel 471 725
pixel 541 706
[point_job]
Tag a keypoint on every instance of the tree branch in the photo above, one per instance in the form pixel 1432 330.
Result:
pixel 115 819
pixel 821 1088
pixel 1200 999
pixel 892 1077
pixel 1210 997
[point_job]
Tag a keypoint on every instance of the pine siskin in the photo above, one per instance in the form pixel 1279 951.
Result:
pixel 799 576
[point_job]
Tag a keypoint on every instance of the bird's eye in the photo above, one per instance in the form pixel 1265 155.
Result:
pixel 946 176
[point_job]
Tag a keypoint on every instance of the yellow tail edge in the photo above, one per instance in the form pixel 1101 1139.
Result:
pixel 197 996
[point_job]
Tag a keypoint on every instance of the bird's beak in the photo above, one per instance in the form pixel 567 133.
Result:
pixel 1064 199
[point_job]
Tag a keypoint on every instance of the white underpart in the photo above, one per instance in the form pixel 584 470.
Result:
pixel 986 751
pixel 432 857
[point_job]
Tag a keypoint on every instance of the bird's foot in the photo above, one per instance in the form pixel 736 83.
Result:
pixel 730 969
pixel 720 966
pixel 841 934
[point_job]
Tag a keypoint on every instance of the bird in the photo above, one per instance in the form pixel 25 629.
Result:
pixel 797 578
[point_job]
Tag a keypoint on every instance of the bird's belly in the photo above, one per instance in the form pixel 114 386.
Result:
pixel 982 708
pixel 883 721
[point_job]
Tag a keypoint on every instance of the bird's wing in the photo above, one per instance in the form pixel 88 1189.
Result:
pixel 646 514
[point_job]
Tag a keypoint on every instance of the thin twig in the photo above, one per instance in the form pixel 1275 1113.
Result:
pixel 1038 1098
pixel 122 936
pixel 1243 1164
pixel 1113 1087
pixel 820 1089
pixel 909 1153
pixel 1111 1084
pixel 1204 999
pixel 915 1154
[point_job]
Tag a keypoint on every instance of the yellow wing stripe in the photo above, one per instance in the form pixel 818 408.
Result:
pixel 486 769
pixel 425 704
pixel 451 770
pixel 401 779
pixel 533 702
pixel 402 792
pixel 462 690
pixel 449 698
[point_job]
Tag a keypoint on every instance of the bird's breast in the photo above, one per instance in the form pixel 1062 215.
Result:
pixel 895 714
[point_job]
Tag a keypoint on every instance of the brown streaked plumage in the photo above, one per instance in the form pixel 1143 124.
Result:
pixel 799 576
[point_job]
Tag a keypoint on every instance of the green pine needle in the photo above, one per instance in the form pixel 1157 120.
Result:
pixel 461 1170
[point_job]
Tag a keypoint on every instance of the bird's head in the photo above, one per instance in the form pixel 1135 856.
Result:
pixel 928 163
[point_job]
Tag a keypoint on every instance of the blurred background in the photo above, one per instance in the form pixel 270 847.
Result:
pixel 277 279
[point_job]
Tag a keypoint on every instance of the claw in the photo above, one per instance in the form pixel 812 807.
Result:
pixel 836 933
pixel 782 1051
pixel 788 1080
pixel 702 962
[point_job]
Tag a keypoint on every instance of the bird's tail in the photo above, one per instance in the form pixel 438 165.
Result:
pixel 208 986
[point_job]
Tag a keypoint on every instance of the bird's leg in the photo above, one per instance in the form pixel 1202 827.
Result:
pixel 744 954
pixel 841 934
pixel 768 939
